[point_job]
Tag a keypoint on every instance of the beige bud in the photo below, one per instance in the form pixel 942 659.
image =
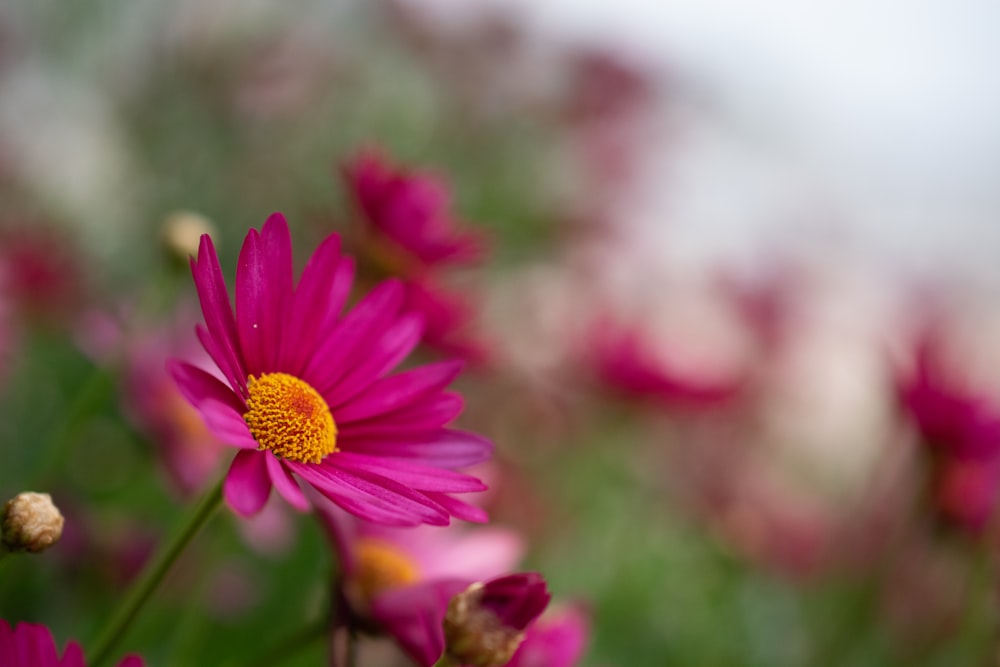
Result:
pixel 474 635
pixel 31 522
pixel 182 231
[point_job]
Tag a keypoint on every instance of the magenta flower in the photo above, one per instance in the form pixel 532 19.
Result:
pixel 627 362
pixel 409 216
pixel 960 427
pixel 31 645
pixel 308 395
pixel 377 559
pixel 465 619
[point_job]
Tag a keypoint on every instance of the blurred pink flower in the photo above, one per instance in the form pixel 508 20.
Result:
pixel 960 427
pixel 377 559
pixel 557 639
pixel 32 645
pixel 307 393
pixel 626 361
pixel 417 615
pixel 409 220
pixel 448 316
pixel 189 450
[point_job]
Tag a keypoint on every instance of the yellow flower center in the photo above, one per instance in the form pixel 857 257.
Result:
pixel 382 566
pixel 290 418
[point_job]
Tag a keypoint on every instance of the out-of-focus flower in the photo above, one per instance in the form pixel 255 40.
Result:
pixel 308 395
pixel 32 645
pixel 410 224
pixel 632 365
pixel 41 274
pixel 481 623
pixel 376 559
pixel 189 450
pixel 410 232
pixel 557 639
pixel 959 425
pixel 31 522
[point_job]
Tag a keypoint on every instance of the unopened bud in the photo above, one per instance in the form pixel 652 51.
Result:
pixel 31 522
pixel 182 231
pixel 485 623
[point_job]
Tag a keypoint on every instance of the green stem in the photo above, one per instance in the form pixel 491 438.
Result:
pixel 152 575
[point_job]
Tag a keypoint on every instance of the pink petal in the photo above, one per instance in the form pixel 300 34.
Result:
pixel 477 555
pixel 429 414
pixel 236 381
pixel 34 645
pixel 196 386
pixel 420 477
pixel 352 336
pixel 73 656
pixel 247 484
pixel 445 448
pixel 226 424
pixel 285 483
pixel 263 293
pixel 369 496
pixel 397 391
pixel 319 298
pixel 382 356
pixel 215 307
pixel 132 661
pixel 415 616
pixel 459 508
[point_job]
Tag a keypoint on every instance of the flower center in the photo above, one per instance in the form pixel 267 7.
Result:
pixel 382 566
pixel 290 418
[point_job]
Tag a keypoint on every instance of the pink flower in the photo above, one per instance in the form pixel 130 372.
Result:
pixel 448 318
pixel 626 361
pixel 960 426
pixel 409 214
pixel 308 396
pixel 190 452
pixel 31 645
pixel 557 639
pixel 376 560
pixel 451 614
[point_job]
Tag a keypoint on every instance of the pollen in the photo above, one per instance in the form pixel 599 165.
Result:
pixel 287 416
pixel 382 566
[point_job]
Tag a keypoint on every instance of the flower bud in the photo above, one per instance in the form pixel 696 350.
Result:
pixel 485 623
pixel 31 522
pixel 182 231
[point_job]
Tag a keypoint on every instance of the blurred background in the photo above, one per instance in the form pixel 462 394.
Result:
pixel 732 329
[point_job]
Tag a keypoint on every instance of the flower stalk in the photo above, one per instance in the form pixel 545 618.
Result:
pixel 152 575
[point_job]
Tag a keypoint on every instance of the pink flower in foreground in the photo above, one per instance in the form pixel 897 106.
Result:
pixel 409 214
pixel 31 645
pixel 477 623
pixel 308 396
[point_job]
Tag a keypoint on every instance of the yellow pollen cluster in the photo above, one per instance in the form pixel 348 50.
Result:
pixel 381 566
pixel 290 418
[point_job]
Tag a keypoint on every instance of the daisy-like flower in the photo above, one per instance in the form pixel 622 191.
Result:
pixel 31 645
pixel 308 395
